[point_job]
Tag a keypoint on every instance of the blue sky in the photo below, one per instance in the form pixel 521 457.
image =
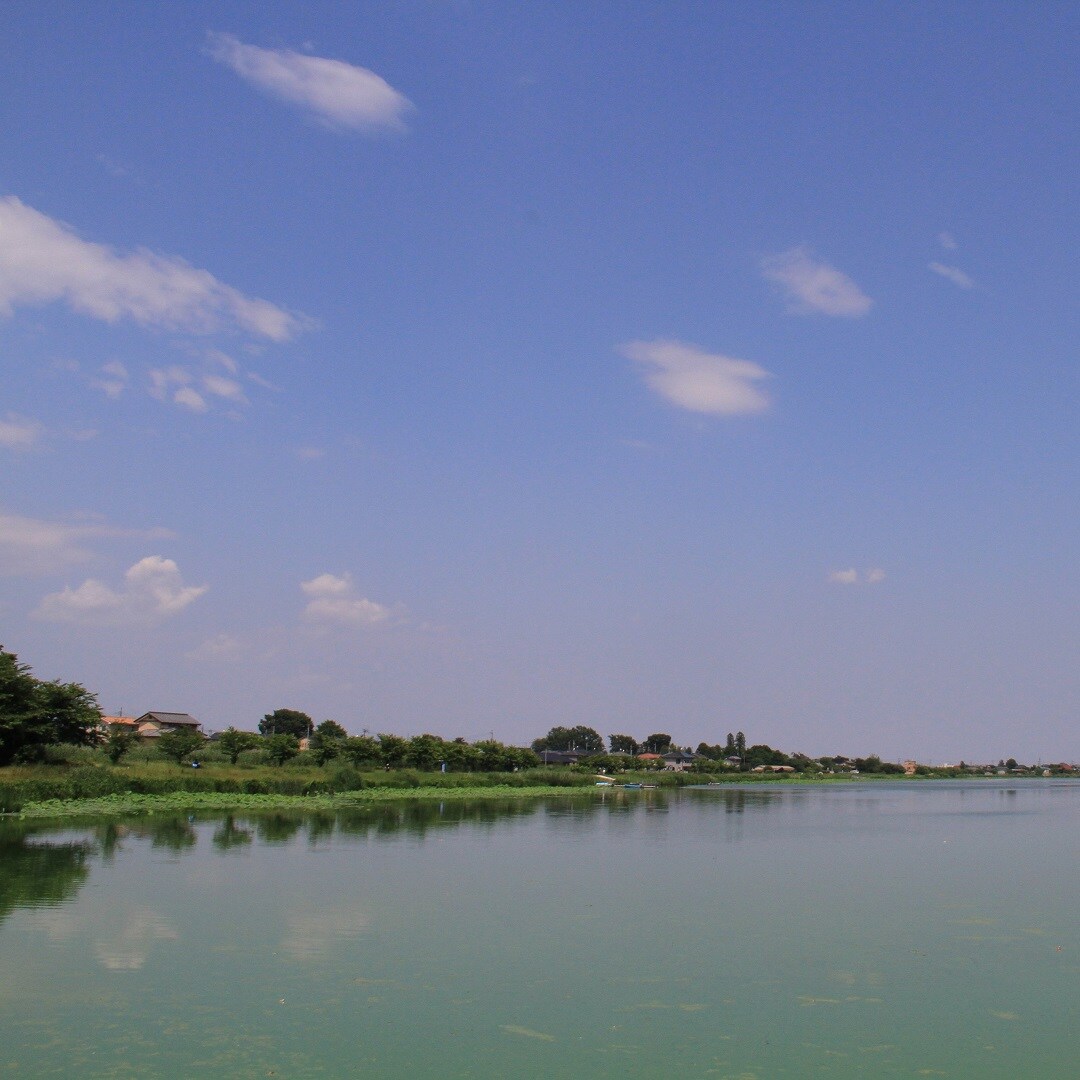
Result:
pixel 471 368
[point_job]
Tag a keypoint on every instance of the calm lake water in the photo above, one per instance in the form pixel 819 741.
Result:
pixel 855 930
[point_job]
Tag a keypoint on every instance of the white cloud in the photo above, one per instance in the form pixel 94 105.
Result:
pixel 814 285
pixel 114 379
pixel 310 453
pixel 337 93
pixel 947 241
pixel 152 589
pixel 192 389
pixel 221 387
pixel 42 261
pixel 223 648
pixel 19 432
pixel 702 382
pixel 334 599
pixel 216 356
pixel 851 576
pixel 190 399
pixel 31 546
pixel 953 273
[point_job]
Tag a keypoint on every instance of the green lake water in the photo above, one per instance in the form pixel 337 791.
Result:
pixel 849 930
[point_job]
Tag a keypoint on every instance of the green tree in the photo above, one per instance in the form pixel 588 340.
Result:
pixel 35 714
pixel 659 743
pixel 326 741
pixel 394 750
pixel 177 745
pixel 425 752
pixel 287 722
pixel 233 743
pixel 280 748
pixel 763 754
pixel 580 738
pixel 117 743
pixel 361 750
pixel 740 745
pixel 623 744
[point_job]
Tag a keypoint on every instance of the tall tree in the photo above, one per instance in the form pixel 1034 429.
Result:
pixel 659 743
pixel 35 714
pixel 623 744
pixel 580 738
pixel 327 741
pixel 287 722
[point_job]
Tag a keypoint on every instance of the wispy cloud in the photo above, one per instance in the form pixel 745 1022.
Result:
pixel 813 285
pixel 113 379
pixel 43 261
pixel 700 381
pixel 221 648
pixel 19 432
pixel 193 389
pixel 953 274
pixel 31 546
pixel 153 589
pixel 340 94
pixel 334 599
pixel 947 241
pixel 851 576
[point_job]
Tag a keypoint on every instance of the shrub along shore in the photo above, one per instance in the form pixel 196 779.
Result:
pixel 90 787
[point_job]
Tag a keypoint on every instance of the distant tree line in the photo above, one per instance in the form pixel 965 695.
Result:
pixel 36 714
pixel 282 730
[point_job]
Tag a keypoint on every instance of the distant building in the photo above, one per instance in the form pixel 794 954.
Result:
pixel 561 757
pixel 109 724
pixel 153 725
pixel 678 760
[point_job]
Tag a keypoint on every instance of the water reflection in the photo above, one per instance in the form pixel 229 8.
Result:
pixel 46 864
pixel 231 834
pixel 35 873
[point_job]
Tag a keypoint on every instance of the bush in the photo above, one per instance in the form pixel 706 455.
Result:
pixel 344 778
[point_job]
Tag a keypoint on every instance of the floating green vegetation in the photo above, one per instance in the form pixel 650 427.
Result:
pixel 133 803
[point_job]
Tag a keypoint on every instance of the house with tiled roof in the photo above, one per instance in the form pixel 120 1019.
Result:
pixel 153 725
pixel 121 723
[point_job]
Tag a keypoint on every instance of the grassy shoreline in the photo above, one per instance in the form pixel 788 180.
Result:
pixel 87 787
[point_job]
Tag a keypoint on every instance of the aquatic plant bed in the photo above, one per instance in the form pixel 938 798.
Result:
pixel 132 803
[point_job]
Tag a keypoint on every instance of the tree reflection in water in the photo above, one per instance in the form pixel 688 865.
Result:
pixel 35 871
pixel 37 874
